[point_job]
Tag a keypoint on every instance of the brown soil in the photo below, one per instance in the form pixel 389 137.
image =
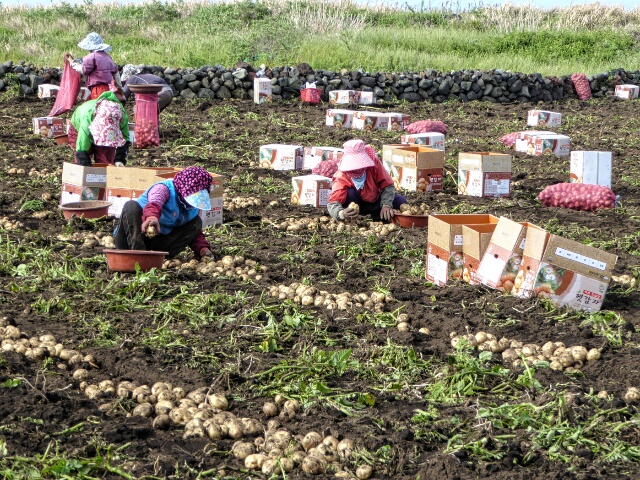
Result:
pixel 49 401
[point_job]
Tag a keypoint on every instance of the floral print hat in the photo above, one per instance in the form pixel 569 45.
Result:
pixel 192 185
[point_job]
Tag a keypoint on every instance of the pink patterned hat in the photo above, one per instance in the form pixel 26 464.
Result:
pixel 355 156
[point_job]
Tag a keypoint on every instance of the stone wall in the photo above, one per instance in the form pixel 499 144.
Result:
pixel 427 85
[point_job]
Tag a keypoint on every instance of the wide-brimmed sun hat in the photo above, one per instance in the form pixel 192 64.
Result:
pixel 355 156
pixel 93 42
pixel 193 184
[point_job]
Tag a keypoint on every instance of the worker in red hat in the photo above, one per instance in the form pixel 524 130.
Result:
pixel 361 179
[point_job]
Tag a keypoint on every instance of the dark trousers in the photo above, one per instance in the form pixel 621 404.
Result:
pixel 374 208
pixel 99 153
pixel 129 233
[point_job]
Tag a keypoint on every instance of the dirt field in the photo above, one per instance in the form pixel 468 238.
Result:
pixel 356 375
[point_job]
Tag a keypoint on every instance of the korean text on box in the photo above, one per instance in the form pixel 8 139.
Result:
pixel 484 174
pixel 445 260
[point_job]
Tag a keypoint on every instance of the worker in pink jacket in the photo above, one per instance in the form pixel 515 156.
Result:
pixel 98 67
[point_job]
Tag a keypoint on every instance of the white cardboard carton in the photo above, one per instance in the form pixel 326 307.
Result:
pixel 554 144
pixel 339 118
pixel 281 157
pixel 365 98
pixel 628 92
pixel 523 139
pixel 430 139
pixel 311 190
pixel 593 168
pixel 261 90
pixel 370 121
pixel 342 97
pixel 48 126
pixel 398 121
pixel 48 90
pixel 543 118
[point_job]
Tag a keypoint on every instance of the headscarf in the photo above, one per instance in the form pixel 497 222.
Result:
pixel 191 180
pixel 129 70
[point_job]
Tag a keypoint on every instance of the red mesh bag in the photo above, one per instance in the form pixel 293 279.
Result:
pixel 69 90
pixel 146 130
pixel 426 126
pixel 310 95
pixel 581 84
pixel 578 196
pixel 326 168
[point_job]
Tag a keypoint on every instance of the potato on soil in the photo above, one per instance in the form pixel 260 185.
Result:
pixel 162 422
pixel 314 465
pixel 363 472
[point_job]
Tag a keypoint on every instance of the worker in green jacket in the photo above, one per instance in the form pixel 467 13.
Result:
pixel 100 128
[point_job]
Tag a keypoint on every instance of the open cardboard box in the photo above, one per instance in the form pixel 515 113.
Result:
pixel 475 240
pixel 415 168
pixel 484 174
pixel 574 275
pixel 445 259
pixel 535 243
pixel 311 190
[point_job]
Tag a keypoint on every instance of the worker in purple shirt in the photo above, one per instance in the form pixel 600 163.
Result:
pixel 131 76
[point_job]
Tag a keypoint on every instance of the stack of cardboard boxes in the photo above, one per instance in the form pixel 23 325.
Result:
pixel 366 120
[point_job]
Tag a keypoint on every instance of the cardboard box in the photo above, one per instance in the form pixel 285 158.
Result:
pixel 484 174
pixel 543 118
pixel 339 118
pixel 136 178
pixel 262 90
pixel 342 97
pixel 48 126
pixel 475 240
pixel 501 261
pixel 628 92
pixel 365 98
pixel 76 193
pixel 93 176
pixel 48 90
pixel 370 121
pixel 281 157
pixel 593 168
pixel 311 190
pixel 314 155
pixel 213 216
pixel 415 168
pixel 445 260
pixel 524 140
pixel 558 145
pixel 535 242
pixel 398 121
pixel 574 274
pixel 430 139
pixel 118 197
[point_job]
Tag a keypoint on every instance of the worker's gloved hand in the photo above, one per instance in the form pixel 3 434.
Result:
pixel 151 222
pixel 205 255
pixel 347 214
pixel 119 164
pixel 121 154
pixel 82 158
pixel 386 213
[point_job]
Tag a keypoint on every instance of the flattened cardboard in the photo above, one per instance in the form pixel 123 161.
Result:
pixel 535 243
pixel 574 275
pixel 593 168
pixel 484 174
pixel 475 240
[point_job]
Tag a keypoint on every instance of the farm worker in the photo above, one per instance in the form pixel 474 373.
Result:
pixel 98 67
pixel 100 128
pixel 165 217
pixel 131 75
pixel 362 179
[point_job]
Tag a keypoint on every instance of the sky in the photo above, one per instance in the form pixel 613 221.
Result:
pixel 462 4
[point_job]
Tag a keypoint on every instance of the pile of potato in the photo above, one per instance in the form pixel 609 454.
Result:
pixel 230 266
pixel 236 203
pixel 422 209
pixel 16 171
pixel 89 239
pixel 569 359
pixel 44 173
pixel 39 348
pixel 307 295
pixel 329 224
pixel 9 225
